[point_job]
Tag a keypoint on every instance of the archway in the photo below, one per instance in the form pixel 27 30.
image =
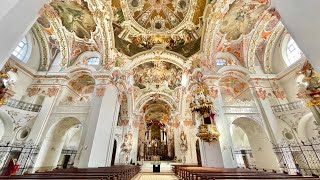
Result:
pixel 54 142
pixel 307 128
pixel 260 145
pixel 6 127
pixel 242 148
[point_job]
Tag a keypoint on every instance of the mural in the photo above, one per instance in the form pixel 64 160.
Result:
pixel 75 17
pixel 83 84
pixel 135 20
pixel 157 110
pixel 241 17
pixel 157 73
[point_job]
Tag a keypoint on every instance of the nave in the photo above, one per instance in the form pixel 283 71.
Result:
pixel 178 172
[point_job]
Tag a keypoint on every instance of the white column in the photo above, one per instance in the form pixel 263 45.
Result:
pixel 225 135
pixel 135 139
pixel 211 155
pixel 98 141
pixel 300 19
pixel 16 19
pixel 40 123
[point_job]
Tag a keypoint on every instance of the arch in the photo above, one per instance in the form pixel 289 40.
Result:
pixel 157 53
pixel 8 127
pixel 261 147
pixel 150 96
pixel 227 55
pixel 53 143
pixel 271 45
pixel 290 56
pixel 87 54
pixel 306 127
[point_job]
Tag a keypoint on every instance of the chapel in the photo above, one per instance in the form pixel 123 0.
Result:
pixel 195 89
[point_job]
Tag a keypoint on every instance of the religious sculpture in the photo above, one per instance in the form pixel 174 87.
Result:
pixel 202 106
pixel 183 145
pixel 311 82
pixel 126 146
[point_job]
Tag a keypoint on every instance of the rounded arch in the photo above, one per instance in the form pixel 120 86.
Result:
pixel 262 149
pixel 53 143
pixel 7 127
pixel 150 96
pixel 307 128
pixel 227 55
pixel 154 55
pixel 83 57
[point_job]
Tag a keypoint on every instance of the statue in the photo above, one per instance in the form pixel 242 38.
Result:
pixel 126 146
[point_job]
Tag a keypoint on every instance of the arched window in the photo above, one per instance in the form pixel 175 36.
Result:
pixel 221 62
pixel 22 50
pixel 93 61
pixel 293 52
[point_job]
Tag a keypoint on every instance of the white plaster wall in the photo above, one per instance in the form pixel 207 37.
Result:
pixel 15 21
pixel 97 141
pixel 1 129
pixel 278 63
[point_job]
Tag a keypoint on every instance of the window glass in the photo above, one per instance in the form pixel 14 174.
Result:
pixel 293 52
pixel 21 50
pixel 93 61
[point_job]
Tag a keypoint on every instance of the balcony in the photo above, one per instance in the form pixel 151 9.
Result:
pixel 288 107
pixel 22 105
pixel 241 109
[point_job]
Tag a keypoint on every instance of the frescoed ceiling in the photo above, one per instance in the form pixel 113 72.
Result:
pixel 75 17
pixel 158 74
pixel 157 110
pixel 129 27
pixel 232 86
pixel 141 24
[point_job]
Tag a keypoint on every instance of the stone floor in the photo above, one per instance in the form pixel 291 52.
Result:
pixel 160 176
pixel 147 174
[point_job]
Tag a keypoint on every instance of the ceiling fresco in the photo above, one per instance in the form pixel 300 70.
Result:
pixel 75 17
pixel 157 110
pixel 241 28
pixel 141 24
pixel 157 73
pixel 232 85
pixel 242 17
pixel 158 15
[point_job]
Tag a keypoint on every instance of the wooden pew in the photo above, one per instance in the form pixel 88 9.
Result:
pixel 204 173
pixel 125 172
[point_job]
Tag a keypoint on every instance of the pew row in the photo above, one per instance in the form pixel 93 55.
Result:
pixel 186 172
pixel 121 172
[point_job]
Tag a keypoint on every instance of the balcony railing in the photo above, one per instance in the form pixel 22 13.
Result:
pixel 240 110
pixel 22 105
pixel 288 107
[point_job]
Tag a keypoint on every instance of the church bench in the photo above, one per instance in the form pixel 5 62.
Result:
pixel 109 173
pixel 195 173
